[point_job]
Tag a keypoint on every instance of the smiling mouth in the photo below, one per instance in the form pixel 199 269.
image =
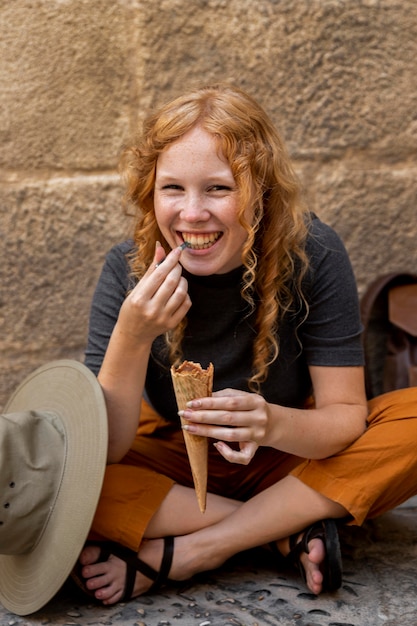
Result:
pixel 201 242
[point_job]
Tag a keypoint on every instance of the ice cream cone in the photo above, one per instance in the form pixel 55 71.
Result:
pixel 191 381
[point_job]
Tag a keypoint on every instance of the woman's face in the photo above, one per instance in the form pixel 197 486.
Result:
pixel 196 200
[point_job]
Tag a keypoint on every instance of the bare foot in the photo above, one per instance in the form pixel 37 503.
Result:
pixel 107 578
pixel 311 562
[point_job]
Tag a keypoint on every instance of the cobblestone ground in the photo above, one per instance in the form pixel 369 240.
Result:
pixel 379 589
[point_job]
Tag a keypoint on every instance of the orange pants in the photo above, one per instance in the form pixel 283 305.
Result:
pixel 373 475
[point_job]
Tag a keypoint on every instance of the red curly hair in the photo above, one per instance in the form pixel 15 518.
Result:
pixel 273 256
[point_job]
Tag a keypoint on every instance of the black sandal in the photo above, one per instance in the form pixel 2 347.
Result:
pixel 133 565
pixel 326 530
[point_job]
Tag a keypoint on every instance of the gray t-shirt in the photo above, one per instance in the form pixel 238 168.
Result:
pixel 220 330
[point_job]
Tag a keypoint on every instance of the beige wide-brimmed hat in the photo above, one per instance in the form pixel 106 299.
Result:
pixel 53 451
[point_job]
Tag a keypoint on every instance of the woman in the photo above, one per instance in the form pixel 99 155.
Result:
pixel 227 266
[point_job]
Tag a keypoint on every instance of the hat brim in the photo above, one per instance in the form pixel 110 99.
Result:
pixel 68 388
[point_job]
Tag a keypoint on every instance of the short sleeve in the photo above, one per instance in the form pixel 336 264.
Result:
pixel 110 292
pixel 331 334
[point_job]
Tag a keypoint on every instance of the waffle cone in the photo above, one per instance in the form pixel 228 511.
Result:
pixel 191 381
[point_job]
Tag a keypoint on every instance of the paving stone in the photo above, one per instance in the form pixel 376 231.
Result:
pixel 379 589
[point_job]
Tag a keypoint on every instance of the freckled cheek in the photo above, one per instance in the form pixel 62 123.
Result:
pixel 165 212
pixel 231 218
pixel 229 212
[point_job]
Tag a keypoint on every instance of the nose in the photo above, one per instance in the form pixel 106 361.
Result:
pixel 193 209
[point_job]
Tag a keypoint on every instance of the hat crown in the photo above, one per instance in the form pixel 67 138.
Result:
pixel 31 467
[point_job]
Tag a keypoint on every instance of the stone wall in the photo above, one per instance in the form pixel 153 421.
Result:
pixel 338 77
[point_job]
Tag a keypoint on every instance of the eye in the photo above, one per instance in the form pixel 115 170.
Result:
pixel 172 186
pixel 220 188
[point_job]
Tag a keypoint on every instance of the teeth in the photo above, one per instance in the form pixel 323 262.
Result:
pixel 199 242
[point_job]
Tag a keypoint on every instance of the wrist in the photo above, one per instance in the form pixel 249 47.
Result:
pixel 132 340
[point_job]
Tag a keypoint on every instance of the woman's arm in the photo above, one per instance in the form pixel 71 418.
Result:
pixel 339 417
pixel 157 304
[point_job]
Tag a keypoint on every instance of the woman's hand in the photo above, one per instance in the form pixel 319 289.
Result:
pixel 230 416
pixel 158 302
pixel 336 420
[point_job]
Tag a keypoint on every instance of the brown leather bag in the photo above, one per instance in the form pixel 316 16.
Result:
pixel 389 317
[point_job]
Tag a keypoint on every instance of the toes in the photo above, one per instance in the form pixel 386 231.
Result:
pixel 89 555
pixel 314 578
pixel 311 563
pixel 94 570
pixel 97 582
pixel 109 594
pixel 105 588
pixel 112 599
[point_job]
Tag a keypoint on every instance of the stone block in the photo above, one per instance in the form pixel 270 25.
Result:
pixel 56 234
pixel 65 83
pixel 335 75
pixel 374 211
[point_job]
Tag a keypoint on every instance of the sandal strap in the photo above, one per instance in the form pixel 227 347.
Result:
pixel 130 578
pixel 326 530
pixel 162 575
pixel 135 564
pixel 298 547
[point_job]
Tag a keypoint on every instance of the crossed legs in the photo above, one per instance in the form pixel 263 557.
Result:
pixel 373 475
pixel 204 542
